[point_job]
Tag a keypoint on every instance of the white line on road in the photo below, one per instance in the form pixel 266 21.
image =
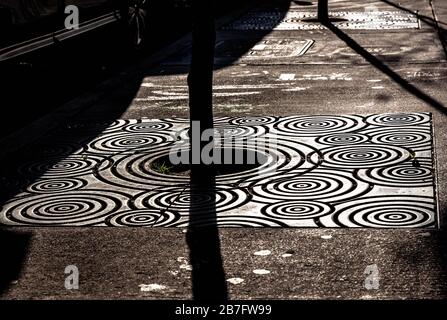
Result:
pixel 287 76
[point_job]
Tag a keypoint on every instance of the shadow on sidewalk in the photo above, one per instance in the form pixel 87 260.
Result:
pixel 439 242
pixel 208 275
pixel 37 161
pixel 378 64
pixel 442 32
pixel 12 256
pixel 425 19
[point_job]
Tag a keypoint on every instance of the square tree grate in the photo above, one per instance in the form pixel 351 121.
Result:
pixel 299 20
pixel 242 50
pixel 332 171
pixel 251 51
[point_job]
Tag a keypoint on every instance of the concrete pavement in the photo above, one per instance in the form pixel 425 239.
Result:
pixel 401 71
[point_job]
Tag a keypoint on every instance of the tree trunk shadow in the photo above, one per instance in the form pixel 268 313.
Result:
pixel 208 276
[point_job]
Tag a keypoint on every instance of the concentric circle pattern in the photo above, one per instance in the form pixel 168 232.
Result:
pixel 297 210
pixel 134 171
pixel 304 171
pixel 411 174
pixel 56 185
pixel 387 212
pixel 143 218
pixel 129 142
pixel 362 156
pixel 253 121
pixel 398 119
pixel 322 185
pixel 147 127
pixel 313 126
pixel 234 132
pixel 76 208
pixel 57 167
pixel 189 200
pixel 342 139
pixel 239 132
pixel 413 138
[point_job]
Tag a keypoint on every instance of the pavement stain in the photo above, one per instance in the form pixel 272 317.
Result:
pixel 261 271
pixel 185 265
pixel 152 287
pixel 263 253
pixel 235 281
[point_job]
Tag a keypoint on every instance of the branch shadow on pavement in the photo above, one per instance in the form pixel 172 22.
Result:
pixel 438 243
pixel 436 24
pixel 379 65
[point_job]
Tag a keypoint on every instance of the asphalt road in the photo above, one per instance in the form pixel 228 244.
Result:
pixel 401 71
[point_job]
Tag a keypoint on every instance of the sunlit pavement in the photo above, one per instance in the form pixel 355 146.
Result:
pixel 341 80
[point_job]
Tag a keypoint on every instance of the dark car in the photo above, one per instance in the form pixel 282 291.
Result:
pixel 29 25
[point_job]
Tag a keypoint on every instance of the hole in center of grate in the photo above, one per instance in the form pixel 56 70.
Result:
pixel 225 161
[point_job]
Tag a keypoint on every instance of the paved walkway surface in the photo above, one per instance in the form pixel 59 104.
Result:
pixel 395 63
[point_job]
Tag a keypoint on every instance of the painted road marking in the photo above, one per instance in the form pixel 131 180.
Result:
pixel 287 76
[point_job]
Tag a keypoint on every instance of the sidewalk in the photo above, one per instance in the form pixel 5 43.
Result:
pixel 355 68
